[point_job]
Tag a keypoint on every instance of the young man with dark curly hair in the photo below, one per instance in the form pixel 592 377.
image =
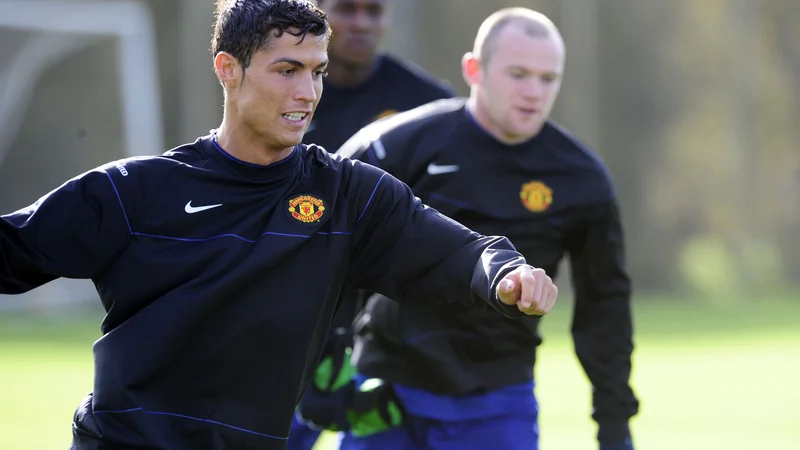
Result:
pixel 220 262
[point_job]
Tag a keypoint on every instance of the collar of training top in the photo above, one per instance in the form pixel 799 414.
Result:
pixel 229 162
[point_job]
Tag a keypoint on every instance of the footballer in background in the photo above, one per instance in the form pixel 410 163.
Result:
pixel 362 85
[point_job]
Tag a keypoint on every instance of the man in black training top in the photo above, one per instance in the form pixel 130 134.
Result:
pixel 497 164
pixel 361 86
pixel 220 262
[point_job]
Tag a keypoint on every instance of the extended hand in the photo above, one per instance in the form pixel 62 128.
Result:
pixel 530 289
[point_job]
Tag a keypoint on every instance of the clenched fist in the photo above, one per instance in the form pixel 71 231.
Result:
pixel 530 289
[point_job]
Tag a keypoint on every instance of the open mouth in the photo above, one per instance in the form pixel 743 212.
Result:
pixel 295 116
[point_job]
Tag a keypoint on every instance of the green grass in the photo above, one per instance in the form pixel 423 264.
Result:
pixel 708 377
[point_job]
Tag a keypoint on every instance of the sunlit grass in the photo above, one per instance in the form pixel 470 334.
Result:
pixel 708 377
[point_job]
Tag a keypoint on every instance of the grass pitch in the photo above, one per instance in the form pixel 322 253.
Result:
pixel 707 376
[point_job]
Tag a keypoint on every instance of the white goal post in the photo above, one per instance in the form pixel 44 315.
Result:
pixel 59 29
pixel 129 21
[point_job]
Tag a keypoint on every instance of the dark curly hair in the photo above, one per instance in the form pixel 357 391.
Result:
pixel 244 27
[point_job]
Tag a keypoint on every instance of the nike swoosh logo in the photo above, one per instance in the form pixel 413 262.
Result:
pixel 196 209
pixel 436 169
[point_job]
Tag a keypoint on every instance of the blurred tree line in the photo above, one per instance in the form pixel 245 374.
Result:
pixel 694 107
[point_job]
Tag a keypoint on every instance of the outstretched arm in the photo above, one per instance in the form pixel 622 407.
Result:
pixel 410 252
pixel 75 231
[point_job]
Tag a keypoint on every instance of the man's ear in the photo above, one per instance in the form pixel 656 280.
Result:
pixel 470 68
pixel 228 69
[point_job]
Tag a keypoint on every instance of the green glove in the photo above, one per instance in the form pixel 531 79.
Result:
pixel 334 372
pixel 324 403
pixel 375 408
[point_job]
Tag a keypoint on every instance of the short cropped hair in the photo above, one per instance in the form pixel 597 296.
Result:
pixel 532 23
pixel 243 27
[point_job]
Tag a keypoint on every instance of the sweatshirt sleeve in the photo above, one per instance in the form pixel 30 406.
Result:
pixel 74 231
pixel 602 327
pixel 406 250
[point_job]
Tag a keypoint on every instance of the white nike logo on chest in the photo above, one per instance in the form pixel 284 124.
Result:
pixel 196 209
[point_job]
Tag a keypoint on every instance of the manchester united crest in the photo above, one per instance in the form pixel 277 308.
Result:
pixel 306 208
pixel 536 196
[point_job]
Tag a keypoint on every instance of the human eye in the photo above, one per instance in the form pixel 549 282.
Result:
pixel 549 78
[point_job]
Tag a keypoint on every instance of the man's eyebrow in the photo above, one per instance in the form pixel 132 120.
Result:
pixel 296 63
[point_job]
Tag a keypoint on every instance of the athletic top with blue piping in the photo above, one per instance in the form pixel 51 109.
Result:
pixel 220 279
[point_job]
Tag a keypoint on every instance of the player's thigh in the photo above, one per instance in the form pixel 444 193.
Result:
pixel 301 437
pixel 513 432
pixel 394 439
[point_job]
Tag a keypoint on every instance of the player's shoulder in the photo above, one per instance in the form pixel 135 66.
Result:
pixel 414 78
pixel 317 156
pixel 430 116
pixel 577 152
pixel 582 160
pixel 147 167
pixel 348 169
pixel 140 166
pixel 395 132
